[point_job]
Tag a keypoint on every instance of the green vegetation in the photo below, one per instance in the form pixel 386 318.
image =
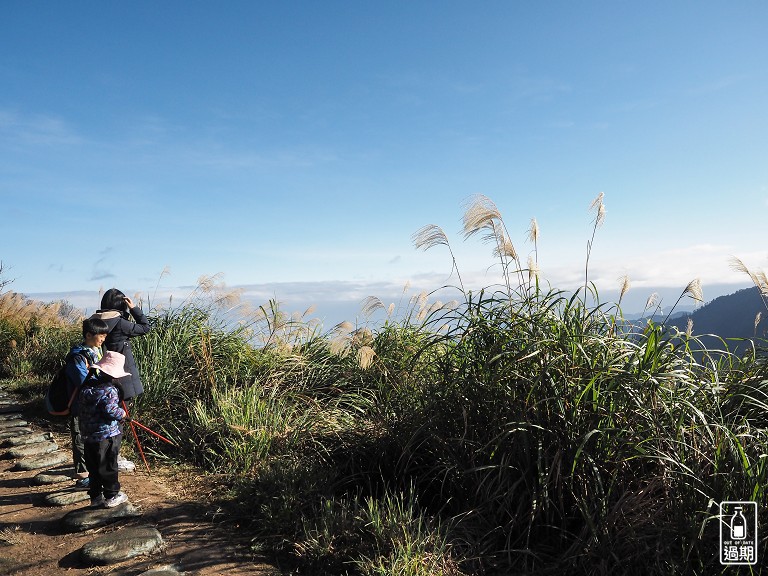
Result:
pixel 523 430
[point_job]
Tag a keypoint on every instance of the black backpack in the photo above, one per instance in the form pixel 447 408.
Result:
pixel 58 400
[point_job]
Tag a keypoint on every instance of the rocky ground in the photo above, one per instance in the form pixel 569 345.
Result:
pixel 169 526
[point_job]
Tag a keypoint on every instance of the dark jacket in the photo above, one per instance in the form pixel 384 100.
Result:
pixel 118 340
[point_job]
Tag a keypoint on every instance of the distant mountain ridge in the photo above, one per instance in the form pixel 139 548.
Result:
pixel 742 314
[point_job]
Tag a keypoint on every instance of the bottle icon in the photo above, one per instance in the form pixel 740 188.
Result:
pixel 738 525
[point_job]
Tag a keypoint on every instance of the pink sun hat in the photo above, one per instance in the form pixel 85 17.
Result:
pixel 112 363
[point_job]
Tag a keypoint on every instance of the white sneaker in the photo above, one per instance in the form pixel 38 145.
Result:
pixel 117 499
pixel 97 502
pixel 124 465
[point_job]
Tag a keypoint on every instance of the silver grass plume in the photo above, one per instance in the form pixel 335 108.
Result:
pixel 652 301
pixel 533 269
pixel 758 317
pixel 763 279
pixel 624 286
pixel 310 309
pixel 482 214
pixel 437 305
pixel 505 247
pixel 371 304
pixel 599 208
pixel 362 337
pixel 365 356
pixel 428 237
pixel 689 327
pixel 739 266
pixel 339 343
pixel 693 289
pixel 533 231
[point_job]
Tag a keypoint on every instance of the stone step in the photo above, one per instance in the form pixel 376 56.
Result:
pixel 44 461
pixel 32 450
pixel 9 408
pixel 33 438
pixel 10 416
pixel 87 518
pixel 4 424
pixel 66 497
pixel 121 545
pixel 162 571
pixel 45 478
pixel 14 432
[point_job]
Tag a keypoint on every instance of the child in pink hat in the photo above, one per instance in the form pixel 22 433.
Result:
pixel 101 428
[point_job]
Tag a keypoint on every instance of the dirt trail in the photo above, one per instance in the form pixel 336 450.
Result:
pixel 34 543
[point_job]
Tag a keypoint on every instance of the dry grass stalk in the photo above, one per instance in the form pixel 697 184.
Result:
pixel 421 300
pixel 429 236
pixel 11 536
pixel 759 279
pixel 365 357
pixel 437 305
pixel 625 285
pixel 482 214
pixel 533 269
pixel 763 279
pixel 505 247
pixel 222 296
pixel 533 231
pixel 694 290
pixel 362 337
pixel 341 338
pixel 370 305
pixel 599 208
pixel 21 310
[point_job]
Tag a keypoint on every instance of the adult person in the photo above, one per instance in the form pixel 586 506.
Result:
pixel 116 310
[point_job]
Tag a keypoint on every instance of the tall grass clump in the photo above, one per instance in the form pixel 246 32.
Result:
pixel 233 390
pixel 556 442
pixel 35 336
pixel 522 429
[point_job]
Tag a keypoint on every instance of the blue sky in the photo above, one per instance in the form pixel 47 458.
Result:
pixel 294 147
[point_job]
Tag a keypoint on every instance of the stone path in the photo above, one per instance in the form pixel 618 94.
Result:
pixel 37 477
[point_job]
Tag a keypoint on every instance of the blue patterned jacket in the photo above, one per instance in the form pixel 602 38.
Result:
pixel 100 412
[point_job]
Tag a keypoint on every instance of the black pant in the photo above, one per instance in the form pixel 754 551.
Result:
pixel 101 461
pixel 78 447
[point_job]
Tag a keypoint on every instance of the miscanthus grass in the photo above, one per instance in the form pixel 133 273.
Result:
pixel 520 429
pixel 35 336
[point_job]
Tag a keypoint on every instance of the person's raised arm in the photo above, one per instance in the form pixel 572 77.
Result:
pixel 141 324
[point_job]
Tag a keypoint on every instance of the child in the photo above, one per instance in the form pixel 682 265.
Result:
pixel 101 426
pixel 79 361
